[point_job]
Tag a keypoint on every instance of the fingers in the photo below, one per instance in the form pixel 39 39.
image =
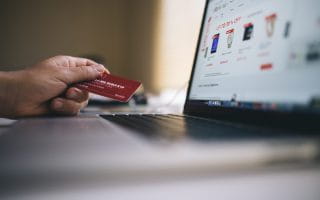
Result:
pixel 70 61
pixel 66 106
pixel 81 73
pixel 106 70
pixel 73 69
pixel 82 62
pixel 77 95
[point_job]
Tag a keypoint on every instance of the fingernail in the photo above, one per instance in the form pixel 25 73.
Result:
pixel 72 95
pixel 58 104
pixel 99 68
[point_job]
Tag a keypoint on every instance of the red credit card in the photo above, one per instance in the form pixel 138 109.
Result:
pixel 111 86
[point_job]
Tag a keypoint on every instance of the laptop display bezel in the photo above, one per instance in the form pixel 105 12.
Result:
pixel 305 119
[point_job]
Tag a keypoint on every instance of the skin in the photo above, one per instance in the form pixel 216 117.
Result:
pixel 46 87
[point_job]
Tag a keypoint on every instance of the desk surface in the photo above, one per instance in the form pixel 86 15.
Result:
pixel 290 182
pixel 5 124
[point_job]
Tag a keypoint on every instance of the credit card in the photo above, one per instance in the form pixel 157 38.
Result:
pixel 111 86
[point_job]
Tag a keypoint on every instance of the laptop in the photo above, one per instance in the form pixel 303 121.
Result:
pixel 256 62
pixel 253 100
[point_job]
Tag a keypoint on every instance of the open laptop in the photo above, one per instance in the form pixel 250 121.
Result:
pixel 256 62
pixel 253 99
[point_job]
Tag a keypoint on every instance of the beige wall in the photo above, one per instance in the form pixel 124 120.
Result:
pixel 149 40
pixel 179 25
pixel 36 29
pixel 142 16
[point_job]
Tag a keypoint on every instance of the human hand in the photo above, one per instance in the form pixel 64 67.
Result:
pixel 45 88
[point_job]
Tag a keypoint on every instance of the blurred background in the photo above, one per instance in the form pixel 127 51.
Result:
pixel 148 40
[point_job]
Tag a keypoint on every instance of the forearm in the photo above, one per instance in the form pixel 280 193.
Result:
pixel 9 86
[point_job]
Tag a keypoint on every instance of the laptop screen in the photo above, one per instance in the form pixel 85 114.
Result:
pixel 259 54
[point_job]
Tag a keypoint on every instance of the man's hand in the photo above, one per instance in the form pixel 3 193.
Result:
pixel 45 88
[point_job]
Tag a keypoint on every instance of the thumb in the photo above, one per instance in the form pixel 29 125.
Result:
pixel 83 73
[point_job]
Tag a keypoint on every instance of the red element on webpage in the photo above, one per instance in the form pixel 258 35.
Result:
pixel 270 24
pixel 271 17
pixel 230 31
pixel 265 67
pixel 229 23
pixel 248 25
pixel 230 34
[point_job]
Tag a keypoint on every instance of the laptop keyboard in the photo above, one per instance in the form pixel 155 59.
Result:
pixel 175 126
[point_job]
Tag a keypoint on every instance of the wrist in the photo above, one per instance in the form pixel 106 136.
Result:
pixel 9 87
